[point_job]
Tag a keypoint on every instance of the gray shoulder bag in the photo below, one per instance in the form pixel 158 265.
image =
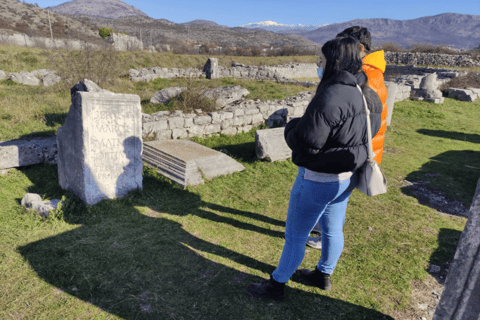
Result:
pixel 371 179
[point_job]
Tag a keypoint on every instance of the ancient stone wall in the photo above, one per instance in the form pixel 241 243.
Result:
pixel 287 71
pixel 22 40
pixel 434 59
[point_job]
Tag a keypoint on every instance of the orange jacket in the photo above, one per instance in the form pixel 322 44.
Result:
pixel 374 67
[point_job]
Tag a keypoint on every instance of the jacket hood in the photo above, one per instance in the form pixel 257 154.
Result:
pixel 376 59
pixel 345 77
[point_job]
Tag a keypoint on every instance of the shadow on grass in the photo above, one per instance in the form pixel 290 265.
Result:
pixel 443 255
pixel 139 265
pixel 447 182
pixel 475 138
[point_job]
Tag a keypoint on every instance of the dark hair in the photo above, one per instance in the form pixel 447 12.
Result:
pixel 341 53
pixel 360 33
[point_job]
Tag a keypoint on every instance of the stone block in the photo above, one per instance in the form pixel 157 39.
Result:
pixel 34 201
pixel 3 75
pixel 238 121
pixel 163 134
pixel 202 120
pixel 212 128
pixel 176 122
pixel 248 119
pixel 245 128
pixel 229 130
pixel 154 126
pixel 226 124
pixel 429 82
pixel 270 144
pixel 460 298
pixel 100 146
pixel 50 79
pixel 257 119
pixel 196 131
pixel 187 162
pixel 462 94
pixel 165 95
pixel 35 150
pixel 226 115
pixel 211 68
pixel 176 133
pixel 216 117
pixel 188 122
pixel 391 94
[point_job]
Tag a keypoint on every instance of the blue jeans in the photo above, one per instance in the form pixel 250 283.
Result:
pixel 312 202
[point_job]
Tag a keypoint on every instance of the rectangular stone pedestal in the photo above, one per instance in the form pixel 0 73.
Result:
pixel 100 146
pixel 271 144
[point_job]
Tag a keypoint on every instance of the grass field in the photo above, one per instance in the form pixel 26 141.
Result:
pixel 168 253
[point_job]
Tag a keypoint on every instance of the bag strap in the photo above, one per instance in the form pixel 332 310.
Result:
pixel 370 155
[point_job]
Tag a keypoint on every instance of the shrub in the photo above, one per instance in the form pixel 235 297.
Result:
pixel 104 32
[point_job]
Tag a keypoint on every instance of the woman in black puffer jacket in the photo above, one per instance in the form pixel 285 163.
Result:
pixel 329 143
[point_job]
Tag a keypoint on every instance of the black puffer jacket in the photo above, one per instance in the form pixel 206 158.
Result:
pixel 331 136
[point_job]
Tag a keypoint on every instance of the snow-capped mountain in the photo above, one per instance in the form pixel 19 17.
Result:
pixel 280 27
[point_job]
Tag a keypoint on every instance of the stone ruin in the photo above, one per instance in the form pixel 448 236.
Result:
pixel 461 296
pixel 100 145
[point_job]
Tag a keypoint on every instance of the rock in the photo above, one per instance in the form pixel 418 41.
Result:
pixel 35 150
pixel 50 79
pixel 3 75
pixel 24 78
pixel 270 144
pixel 165 95
pixel 434 268
pixel 123 42
pixel 151 49
pixel 429 82
pixel 29 198
pixel 225 95
pixel 34 201
pixel 462 94
pixel 462 285
pixel 161 47
pixel 100 145
pixel 211 68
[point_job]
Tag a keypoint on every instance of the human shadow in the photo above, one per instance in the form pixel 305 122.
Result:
pixel 447 182
pixel 475 138
pixel 443 255
pixel 141 264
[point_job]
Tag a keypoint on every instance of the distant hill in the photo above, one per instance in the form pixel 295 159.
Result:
pixel 457 30
pixel 204 23
pixel 281 28
pixel 110 9
pixel 33 21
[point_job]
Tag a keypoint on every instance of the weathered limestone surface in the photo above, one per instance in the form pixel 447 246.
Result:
pixel 211 68
pixel 35 202
pixel 3 75
pixel 271 144
pixel 123 42
pixel 35 150
pixel 187 162
pixel 100 145
pixel 391 94
pixel 24 77
pixel 226 95
pixel 165 95
pixel 461 297
pixel 462 94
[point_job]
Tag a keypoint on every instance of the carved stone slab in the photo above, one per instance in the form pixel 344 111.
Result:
pixel 271 144
pixel 100 145
pixel 35 150
pixel 185 161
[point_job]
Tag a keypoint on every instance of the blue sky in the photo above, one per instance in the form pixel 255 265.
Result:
pixel 316 12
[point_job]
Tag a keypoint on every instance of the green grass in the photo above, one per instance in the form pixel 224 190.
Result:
pixel 168 253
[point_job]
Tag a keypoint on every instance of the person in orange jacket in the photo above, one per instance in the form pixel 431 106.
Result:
pixel 374 67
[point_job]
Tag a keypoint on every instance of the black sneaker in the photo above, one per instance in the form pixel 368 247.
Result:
pixel 268 289
pixel 315 278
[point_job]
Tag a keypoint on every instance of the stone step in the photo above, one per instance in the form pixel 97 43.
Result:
pixel 34 150
pixel 187 162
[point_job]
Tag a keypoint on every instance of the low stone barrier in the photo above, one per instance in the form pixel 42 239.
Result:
pixel 442 73
pixel 286 71
pixel 435 59
pixel 230 119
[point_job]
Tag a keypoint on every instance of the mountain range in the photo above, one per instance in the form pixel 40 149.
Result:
pixel 83 17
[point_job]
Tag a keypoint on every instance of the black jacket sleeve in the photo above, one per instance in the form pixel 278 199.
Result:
pixel 308 134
